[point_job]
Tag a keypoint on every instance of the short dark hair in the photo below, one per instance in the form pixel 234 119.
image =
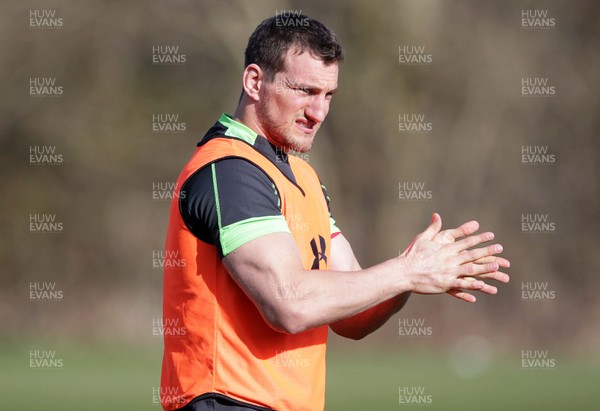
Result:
pixel 271 40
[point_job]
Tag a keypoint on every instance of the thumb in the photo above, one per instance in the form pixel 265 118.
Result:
pixel 434 227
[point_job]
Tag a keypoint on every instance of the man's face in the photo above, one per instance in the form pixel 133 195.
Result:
pixel 293 106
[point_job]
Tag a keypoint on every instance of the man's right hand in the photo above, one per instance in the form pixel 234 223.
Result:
pixel 436 263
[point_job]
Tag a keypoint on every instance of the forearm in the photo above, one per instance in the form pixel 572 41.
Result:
pixel 359 297
pixel 360 325
pixel 303 299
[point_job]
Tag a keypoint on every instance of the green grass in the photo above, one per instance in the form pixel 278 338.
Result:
pixel 122 378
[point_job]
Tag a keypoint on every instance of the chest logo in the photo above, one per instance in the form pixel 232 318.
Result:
pixel 319 253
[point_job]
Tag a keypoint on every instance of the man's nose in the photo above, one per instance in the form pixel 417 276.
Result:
pixel 317 109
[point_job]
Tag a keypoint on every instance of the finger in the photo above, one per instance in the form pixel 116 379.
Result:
pixel 467 283
pixel 502 262
pixel 486 288
pixel 464 230
pixel 478 253
pixel 462 295
pixel 489 289
pixel 496 275
pixel 434 227
pixel 471 241
pixel 472 269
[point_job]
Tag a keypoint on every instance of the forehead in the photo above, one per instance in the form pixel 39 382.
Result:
pixel 304 67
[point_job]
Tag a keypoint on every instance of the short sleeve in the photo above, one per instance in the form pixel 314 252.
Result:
pixel 229 203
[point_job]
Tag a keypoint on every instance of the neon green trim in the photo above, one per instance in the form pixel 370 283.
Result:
pixel 325 191
pixel 216 191
pixel 277 195
pixel 237 129
pixel 332 226
pixel 238 234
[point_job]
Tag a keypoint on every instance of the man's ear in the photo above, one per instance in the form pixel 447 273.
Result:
pixel 252 81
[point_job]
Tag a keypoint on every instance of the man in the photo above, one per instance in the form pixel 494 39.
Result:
pixel 267 271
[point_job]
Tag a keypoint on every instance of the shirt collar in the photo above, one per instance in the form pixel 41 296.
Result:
pixel 241 131
pixel 237 129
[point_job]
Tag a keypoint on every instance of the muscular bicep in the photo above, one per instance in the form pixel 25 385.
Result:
pixel 342 256
pixel 264 268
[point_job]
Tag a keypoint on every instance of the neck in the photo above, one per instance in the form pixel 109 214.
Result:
pixel 245 113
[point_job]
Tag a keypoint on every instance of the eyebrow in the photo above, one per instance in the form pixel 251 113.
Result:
pixel 298 84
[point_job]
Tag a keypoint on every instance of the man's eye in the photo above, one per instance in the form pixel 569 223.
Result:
pixel 303 90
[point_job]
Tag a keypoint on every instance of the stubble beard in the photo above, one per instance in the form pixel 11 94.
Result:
pixel 278 134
